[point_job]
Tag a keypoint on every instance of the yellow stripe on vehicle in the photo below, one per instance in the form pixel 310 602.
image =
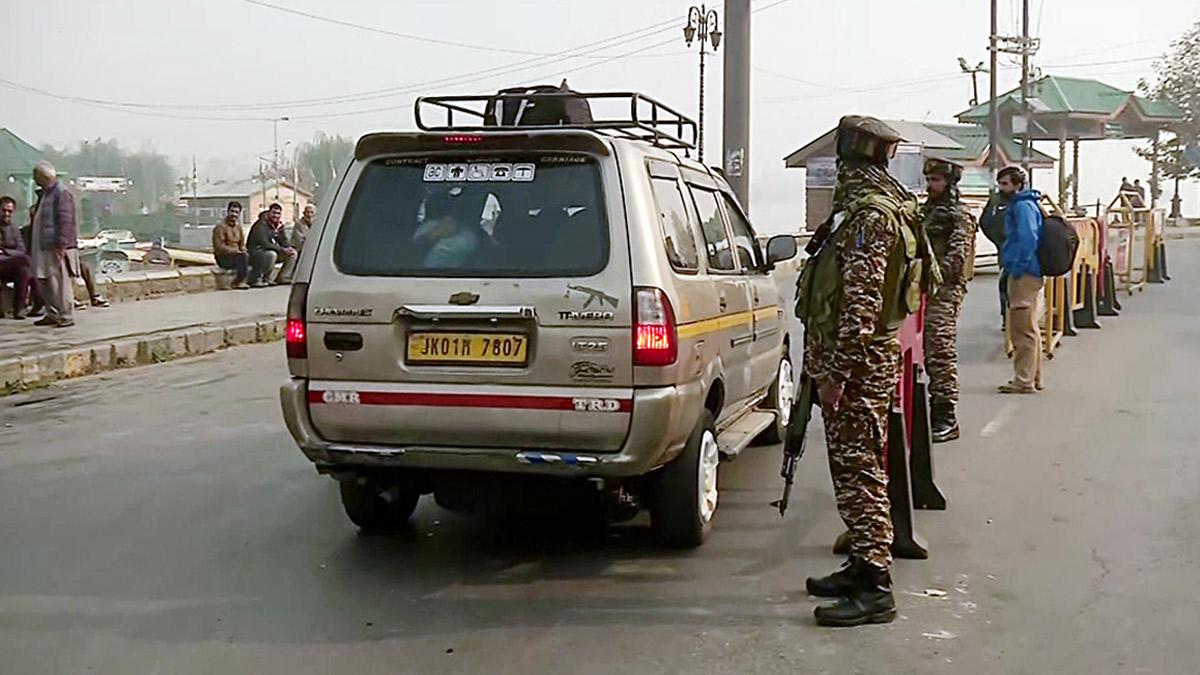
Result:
pixel 765 313
pixel 705 326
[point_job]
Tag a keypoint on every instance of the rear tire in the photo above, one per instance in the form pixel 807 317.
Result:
pixel 780 400
pixel 685 499
pixel 376 507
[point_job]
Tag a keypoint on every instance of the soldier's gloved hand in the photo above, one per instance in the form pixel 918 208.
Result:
pixel 830 393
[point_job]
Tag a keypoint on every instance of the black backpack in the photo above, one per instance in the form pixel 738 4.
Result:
pixel 1057 247
pixel 517 108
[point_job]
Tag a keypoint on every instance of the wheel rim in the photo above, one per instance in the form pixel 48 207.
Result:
pixel 785 387
pixel 710 457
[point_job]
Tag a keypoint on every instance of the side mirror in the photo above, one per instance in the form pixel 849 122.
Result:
pixel 780 248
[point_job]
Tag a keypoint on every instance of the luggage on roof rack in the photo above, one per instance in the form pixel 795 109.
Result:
pixel 520 106
pixel 618 114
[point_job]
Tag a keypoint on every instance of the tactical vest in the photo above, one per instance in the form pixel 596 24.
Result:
pixel 909 272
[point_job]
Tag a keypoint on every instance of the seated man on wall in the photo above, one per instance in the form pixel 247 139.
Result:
pixel 14 259
pixel 229 245
pixel 268 244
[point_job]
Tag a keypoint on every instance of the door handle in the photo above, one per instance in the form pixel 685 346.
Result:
pixel 722 303
pixel 343 342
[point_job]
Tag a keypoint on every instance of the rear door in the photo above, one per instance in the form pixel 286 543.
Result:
pixel 735 336
pixel 477 299
pixel 764 298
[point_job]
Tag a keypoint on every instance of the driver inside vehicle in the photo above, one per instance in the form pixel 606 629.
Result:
pixel 451 239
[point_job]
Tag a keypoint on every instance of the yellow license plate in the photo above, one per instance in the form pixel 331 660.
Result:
pixel 468 348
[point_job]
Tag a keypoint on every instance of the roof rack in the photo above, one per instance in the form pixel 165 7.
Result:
pixel 647 119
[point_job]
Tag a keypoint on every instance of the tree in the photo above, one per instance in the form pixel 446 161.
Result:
pixel 1177 79
pixel 322 160
pixel 151 173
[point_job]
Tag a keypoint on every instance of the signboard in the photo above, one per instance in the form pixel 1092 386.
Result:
pixel 822 172
pixel 1191 155
pixel 1113 130
pixel 734 161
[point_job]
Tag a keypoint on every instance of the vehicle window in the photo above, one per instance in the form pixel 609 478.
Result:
pixel 749 254
pixel 673 220
pixel 521 216
pixel 716 239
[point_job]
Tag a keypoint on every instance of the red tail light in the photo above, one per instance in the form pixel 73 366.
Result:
pixel 459 139
pixel 296 333
pixel 655 338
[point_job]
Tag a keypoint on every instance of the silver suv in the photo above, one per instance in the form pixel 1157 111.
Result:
pixel 488 311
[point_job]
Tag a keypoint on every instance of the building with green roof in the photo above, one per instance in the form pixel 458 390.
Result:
pixel 1077 109
pixel 16 167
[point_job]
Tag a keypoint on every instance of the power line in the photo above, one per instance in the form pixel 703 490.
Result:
pixel 347 98
pixel 558 73
pixel 406 106
pixel 409 36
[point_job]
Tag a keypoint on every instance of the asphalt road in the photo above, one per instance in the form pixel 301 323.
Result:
pixel 160 521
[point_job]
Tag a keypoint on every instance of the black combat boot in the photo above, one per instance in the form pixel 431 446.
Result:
pixel 943 423
pixel 869 600
pixel 836 585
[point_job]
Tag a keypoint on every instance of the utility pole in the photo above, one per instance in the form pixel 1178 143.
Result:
pixel 993 118
pixel 275 161
pixel 736 118
pixel 1027 141
pixel 702 23
pixel 1026 48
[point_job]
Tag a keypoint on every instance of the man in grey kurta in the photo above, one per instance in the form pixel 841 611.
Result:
pixel 54 250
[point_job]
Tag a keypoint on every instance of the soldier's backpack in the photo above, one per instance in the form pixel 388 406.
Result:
pixel 911 270
pixel 1057 246
pixel 522 106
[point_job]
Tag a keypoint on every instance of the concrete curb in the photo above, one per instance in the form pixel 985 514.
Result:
pixel 29 372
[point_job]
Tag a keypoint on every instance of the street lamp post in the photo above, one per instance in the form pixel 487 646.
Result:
pixel 275 158
pixel 702 23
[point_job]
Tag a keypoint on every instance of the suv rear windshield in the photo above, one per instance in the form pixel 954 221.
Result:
pixel 524 216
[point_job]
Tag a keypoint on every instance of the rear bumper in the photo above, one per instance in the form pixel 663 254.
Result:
pixel 663 418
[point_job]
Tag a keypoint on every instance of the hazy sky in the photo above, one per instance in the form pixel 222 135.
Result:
pixel 814 61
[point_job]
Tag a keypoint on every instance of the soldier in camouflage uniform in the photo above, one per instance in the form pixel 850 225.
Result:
pixel 856 368
pixel 951 232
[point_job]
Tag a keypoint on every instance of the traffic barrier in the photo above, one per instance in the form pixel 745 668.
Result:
pixel 1084 274
pixel 1127 221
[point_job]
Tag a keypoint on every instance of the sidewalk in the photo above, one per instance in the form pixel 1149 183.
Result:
pixel 136 333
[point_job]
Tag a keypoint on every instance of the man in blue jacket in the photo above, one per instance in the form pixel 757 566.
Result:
pixel 1022 231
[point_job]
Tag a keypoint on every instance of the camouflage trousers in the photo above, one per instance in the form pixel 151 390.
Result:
pixel 856 435
pixel 941 343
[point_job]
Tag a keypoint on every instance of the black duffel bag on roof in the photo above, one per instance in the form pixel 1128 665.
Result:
pixel 519 107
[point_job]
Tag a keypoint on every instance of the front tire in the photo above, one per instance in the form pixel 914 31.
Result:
pixel 376 507
pixel 685 499
pixel 780 400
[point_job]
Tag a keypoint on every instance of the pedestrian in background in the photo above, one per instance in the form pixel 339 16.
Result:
pixel 951 233
pixel 301 227
pixel 229 245
pixel 55 247
pixel 1022 231
pixel 992 224
pixel 268 244
pixel 15 265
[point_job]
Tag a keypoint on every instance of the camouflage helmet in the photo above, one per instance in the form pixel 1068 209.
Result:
pixel 951 171
pixel 860 137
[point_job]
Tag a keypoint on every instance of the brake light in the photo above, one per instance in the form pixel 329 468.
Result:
pixel 459 139
pixel 655 337
pixel 296 332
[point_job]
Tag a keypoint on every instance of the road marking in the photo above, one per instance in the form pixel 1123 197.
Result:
pixel 1005 413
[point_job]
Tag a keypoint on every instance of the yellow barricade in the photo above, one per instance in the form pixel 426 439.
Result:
pixel 1138 231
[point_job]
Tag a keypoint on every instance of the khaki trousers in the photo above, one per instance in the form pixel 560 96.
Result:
pixel 1024 309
